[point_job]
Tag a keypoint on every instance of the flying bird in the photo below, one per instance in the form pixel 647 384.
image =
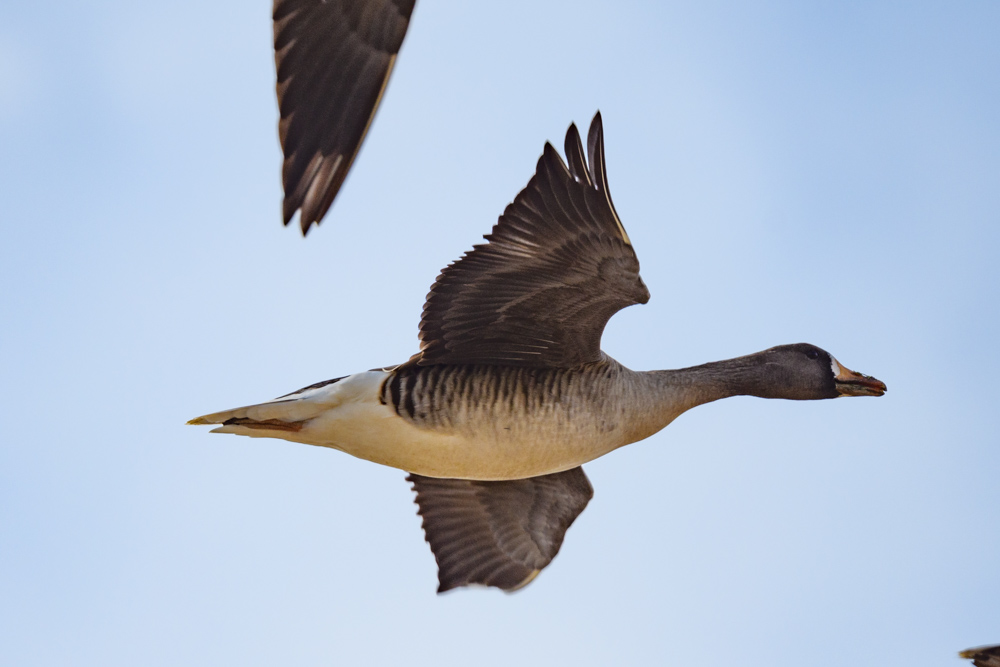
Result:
pixel 983 656
pixel 510 392
pixel 333 60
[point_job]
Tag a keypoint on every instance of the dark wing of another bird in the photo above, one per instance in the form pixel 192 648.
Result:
pixel 498 534
pixel 984 656
pixel 555 269
pixel 333 59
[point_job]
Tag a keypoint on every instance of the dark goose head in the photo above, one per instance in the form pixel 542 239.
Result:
pixel 805 372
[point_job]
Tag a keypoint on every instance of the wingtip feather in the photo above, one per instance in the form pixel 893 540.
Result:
pixel 597 123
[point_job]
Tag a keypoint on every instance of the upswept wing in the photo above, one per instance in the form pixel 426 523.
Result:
pixel 333 59
pixel 556 267
pixel 498 534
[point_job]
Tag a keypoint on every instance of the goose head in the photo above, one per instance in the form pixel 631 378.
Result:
pixel 805 372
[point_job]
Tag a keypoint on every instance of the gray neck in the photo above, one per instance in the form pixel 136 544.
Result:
pixel 668 394
pixel 742 376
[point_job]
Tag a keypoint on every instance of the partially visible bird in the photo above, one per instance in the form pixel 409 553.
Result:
pixel 333 61
pixel 983 656
pixel 510 392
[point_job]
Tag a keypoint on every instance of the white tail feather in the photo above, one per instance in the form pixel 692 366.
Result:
pixel 290 414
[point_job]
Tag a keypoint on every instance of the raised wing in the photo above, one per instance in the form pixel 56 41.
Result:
pixel 984 656
pixel 555 269
pixel 333 59
pixel 498 534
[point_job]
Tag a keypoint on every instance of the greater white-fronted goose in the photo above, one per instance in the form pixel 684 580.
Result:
pixel 333 61
pixel 983 656
pixel 510 392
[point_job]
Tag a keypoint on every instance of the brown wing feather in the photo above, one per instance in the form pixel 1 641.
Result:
pixel 984 656
pixel 556 267
pixel 333 61
pixel 498 534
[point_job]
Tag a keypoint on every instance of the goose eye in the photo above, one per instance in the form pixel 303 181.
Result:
pixel 812 354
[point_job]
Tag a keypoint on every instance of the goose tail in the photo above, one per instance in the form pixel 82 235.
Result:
pixel 278 418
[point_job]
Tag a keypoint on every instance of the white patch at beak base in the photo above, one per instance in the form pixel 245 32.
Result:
pixel 834 366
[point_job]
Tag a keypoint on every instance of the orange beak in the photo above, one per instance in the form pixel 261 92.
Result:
pixel 849 383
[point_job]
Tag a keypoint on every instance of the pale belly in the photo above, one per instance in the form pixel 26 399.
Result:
pixel 515 447
pixel 375 433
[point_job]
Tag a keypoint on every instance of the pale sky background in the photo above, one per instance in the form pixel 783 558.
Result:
pixel 827 174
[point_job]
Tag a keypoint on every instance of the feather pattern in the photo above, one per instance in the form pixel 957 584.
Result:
pixel 498 534
pixel 556 267
pixel 333 61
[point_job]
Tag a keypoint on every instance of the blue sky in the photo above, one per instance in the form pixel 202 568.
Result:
pixel 787 173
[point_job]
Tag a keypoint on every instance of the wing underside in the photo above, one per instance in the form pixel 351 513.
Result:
pixel 333 61
pixel 557 265
pixel 499 534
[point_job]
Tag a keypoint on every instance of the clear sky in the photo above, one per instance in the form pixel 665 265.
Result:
pixel 826 173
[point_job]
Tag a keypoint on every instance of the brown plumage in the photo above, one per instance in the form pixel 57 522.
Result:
pixel 556 267
pixel 498 533
pixel 333 61
pixel 983 656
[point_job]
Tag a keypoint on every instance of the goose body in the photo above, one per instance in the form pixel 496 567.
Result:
pixel 481 422
pixel 470 422
pixel 510 393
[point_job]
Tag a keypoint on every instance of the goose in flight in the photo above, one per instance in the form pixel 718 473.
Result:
pixel 510 392
pixel 333 60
